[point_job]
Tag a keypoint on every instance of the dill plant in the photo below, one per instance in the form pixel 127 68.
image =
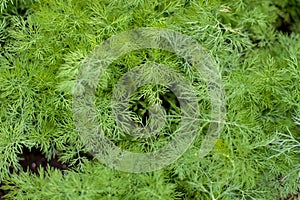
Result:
pixel 42 49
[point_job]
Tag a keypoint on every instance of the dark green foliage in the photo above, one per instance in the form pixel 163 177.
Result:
pixel 256 45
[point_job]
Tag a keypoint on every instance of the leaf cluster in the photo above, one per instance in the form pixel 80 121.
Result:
pixel 43 48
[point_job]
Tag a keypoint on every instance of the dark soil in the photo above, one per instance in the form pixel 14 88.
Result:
pixel 32 160
pixel 295 196
pixel 2 192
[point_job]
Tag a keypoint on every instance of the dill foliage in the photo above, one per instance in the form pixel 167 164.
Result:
pixel 256 45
